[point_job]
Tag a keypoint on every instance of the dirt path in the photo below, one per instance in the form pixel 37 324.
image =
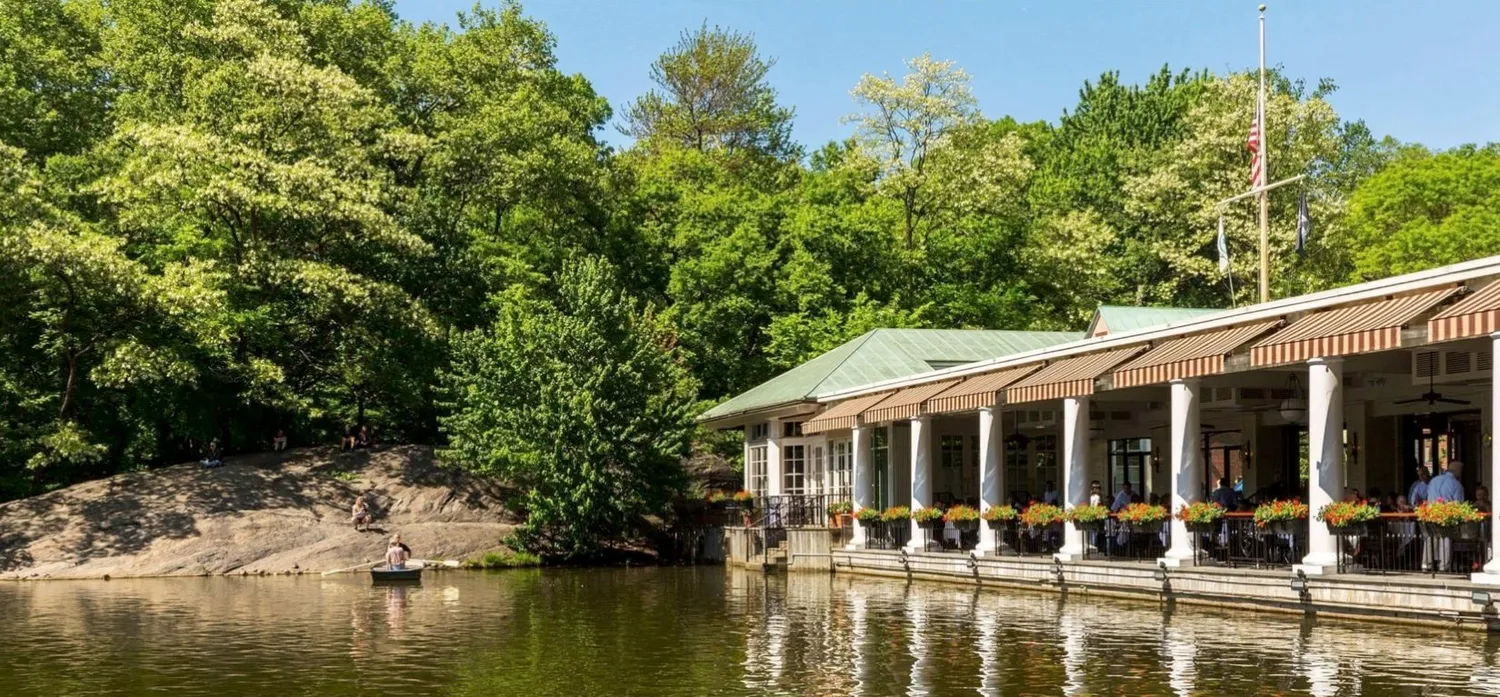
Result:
pixel 258 513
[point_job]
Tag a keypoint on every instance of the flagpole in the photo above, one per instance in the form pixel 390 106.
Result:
pixel 1265 168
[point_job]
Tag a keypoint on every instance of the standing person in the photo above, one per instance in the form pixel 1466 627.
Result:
pixel 1226 495
pixel 1482 499
pixel 397 554
pixel 1122 499
pixel 1417 495
pixel 1444 487
pixel 1096 494
pixel 1050 495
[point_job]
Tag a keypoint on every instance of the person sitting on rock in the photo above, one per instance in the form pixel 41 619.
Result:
pixel 278 443
pixel 213 458
pixel 347 442
pixel 361 514
pixel 365 439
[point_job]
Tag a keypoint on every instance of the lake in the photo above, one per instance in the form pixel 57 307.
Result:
pixel 690 632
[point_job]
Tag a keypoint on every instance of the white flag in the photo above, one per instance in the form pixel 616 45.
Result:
pixel 1223 248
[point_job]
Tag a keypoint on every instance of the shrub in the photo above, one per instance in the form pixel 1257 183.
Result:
pixel 840 508
pixel 1448 513
pixel 1000 513
pixel 1280 511
pixel 895 513
pixel 1342 513
pixel 1137 513
pixel 960 513
pixel 868 515
pixel 718 497
pixel 1200 512
pixel 927 514
pixel 744 498
pixel 1039 515
pixel 1088 513
pixel 503 560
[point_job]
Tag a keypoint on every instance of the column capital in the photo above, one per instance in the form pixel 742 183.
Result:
pixel 993 409
pixel 1495 336
pixel 1184 381
pixel 1326 360
pixel 921 418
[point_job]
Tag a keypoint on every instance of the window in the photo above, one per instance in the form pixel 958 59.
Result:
pixel 1223 457
pixel 843 470
pixel 758 432
pixel 951 461
pixel 791 429
pixel 880 460
pixel 1128 464
pixel 755 470
pixel 794 470
pixel 1046 462
pixel 815 480
pixel 1017 474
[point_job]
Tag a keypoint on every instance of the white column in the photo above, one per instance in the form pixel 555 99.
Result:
pixel 746 460
pixel 774 472
pixel 1491 574
pixel 1187 467
pixel 921 474
pixel 991 474
pixel 864 482
pixel 1075 485
pixel 1325 447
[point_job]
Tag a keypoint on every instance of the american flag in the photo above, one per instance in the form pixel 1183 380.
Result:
pixel 1254 146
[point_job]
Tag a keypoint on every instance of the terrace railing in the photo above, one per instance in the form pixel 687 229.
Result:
pixel 1237 541
pixel 1397 543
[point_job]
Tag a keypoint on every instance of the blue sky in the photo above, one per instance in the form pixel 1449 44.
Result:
pixel 1422 72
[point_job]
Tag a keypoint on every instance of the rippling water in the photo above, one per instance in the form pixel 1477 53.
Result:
pixel 695 631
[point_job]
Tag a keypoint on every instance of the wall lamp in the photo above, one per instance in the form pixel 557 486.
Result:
pixel 973 561
pixel 1057 569
pixel 1299 582
pixel 1482 598
pixel 1161 572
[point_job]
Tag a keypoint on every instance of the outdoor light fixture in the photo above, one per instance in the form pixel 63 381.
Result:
pixel 1299 582
pixel 1057 569
pixel 1481 598
pixel 1161 572
pixel 973 561
pixel 1294 408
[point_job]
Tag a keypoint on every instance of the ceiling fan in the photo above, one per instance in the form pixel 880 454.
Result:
pixel 1432 397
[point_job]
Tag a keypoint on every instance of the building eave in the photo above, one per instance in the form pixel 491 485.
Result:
pixel 1455 273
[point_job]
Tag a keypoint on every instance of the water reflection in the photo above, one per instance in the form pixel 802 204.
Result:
pixel 692 632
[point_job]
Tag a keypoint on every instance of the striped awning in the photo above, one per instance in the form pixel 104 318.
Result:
pixel 1188 357
pixel 1476 315
pixel 904 403
pixel 1366 328
pixel 842 415
pixel 1069 377
pixel 978 391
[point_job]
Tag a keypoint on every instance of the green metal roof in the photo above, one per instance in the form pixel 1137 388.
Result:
pixel 1122 318
pixel 884 354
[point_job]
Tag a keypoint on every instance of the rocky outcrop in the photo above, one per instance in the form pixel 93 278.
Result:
pixel 264 513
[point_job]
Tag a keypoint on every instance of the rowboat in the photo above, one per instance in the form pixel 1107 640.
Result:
pixel 385 574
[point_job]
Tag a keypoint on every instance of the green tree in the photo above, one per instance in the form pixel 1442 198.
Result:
pixel 579 399
pixel 712 94
pixel 1426 210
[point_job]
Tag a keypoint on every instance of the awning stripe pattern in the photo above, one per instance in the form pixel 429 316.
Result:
pixel 1365 328
pixel 977 392
pixel 1188 357
pixel 904 403
pixel 1476 315
pixel 842 415
pixel 1069 377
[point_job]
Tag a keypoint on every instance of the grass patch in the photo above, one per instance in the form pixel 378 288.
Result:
pixel 341 475
pixel 503 560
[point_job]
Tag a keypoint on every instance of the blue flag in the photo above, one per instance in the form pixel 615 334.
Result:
pixel 1223 248
pixel 1304 226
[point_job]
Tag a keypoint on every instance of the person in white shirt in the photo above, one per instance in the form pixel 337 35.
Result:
pixel 1444 487
pixel 1096 495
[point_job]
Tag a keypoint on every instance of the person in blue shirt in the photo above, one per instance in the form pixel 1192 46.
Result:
pixel 1122 499
pixel 1445 487
pixel 1226 496
pixel 1418 492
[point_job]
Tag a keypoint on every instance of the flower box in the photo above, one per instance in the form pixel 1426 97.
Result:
pixel 1461 531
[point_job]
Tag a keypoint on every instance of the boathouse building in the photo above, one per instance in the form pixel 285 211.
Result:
pixel 1365 389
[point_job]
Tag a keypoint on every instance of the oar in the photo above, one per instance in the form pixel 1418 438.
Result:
pixel 356 566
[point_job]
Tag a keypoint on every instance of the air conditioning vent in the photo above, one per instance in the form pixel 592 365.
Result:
pixel 1429 367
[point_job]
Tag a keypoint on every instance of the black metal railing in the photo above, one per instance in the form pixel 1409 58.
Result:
pixel 1397 543
pixel 1236 540
pixel 893 534
pixel 1126 541
pixel 1019 540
